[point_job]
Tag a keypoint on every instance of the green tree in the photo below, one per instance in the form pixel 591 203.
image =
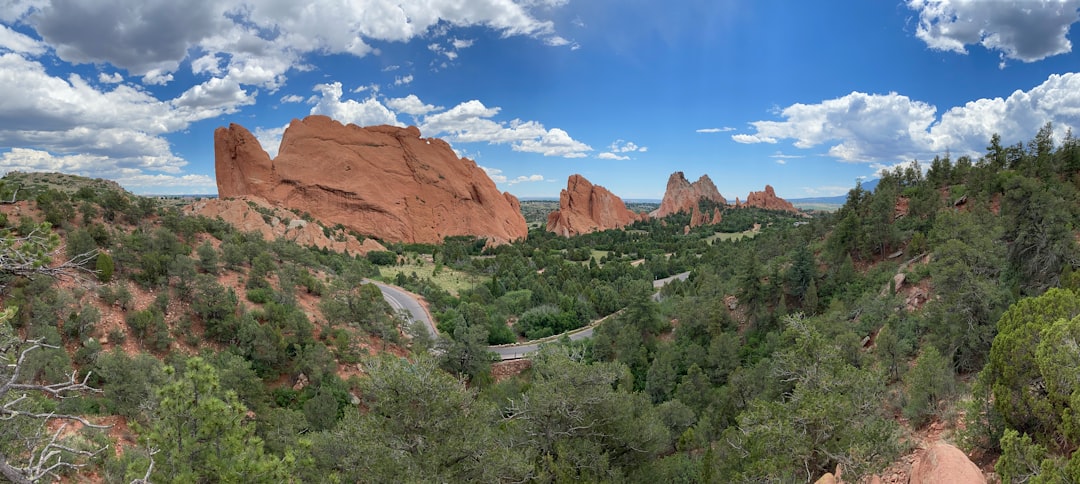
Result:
pixel 421 424
pixel 199 432
pixel 929 383
pixel 581 422
pixel 830 415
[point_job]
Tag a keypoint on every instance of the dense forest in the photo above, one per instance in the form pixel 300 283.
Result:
pixel 143 342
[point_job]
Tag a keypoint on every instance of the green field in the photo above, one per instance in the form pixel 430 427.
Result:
pixel 731 236
pixel 453 281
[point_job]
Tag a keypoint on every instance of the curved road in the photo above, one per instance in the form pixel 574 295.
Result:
pixel 399 299
pixel 402 299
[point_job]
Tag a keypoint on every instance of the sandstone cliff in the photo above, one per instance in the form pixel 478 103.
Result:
pixel 382 181
pixel 768 200
pixel 584 208
pixel 683 196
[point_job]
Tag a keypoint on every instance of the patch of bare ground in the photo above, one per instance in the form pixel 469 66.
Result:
pixel 504 370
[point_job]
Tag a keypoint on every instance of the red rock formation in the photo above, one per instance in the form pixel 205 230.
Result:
pixel 683 196
pixel 945 463
pixel 585 208
pixel 281 223
pixel 383 181
pixel 768 200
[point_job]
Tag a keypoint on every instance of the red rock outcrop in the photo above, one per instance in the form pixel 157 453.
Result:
pixel 768 201
pixel 945 463
pixel 382 181
pixel 683 196
pixel 585 208
pixel 247 215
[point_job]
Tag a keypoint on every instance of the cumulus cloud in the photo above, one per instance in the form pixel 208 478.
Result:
pixel 368 112
pixel 156 36
pixel 497 176
pixel 411 105
pixel 114 78
pixel 470 122
pixel 19 42
pixel 270 139
pixel 523 178
pixel 401 81
pixel 133 178
pixel 222 95
pixel 725 129
pixel 621 146
pixel 1024 30
pixel 292 98
pixel 874 127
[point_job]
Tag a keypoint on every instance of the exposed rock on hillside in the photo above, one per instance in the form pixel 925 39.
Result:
pixel 683 196
pixel 383 181
pixel 585 208
pixel 945 463
pixel 273 223
pixel 768 201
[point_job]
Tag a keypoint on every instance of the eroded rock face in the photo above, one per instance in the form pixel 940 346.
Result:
pixel 945 463
pixel 768 200
pixel 247 215
pixel 683 196
pixel 585 208
pixel 382 181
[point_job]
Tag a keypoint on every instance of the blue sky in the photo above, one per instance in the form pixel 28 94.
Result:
pixel 805 96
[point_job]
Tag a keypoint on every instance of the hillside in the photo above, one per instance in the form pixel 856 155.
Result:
pixel 937 309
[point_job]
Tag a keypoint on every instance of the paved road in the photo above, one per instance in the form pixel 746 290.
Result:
pixel 401 299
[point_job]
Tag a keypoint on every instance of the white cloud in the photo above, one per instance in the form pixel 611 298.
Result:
pixel 260 40
pixel 19 42
pixel 554 142
pixel 368 112
pixel 132 178
pixel 114 78
pixel 875 127
pixel 292 98
pixel 781 155
pixel 157 77
pixel 523 178
pixel 401 81
pixel 207 64
pixel 495 174
pixel 725 129
pixel 270 139
pixel 612 156
pixel 622 146
pixel 781 161
pixel 469 122
pixel 1024 30
pixel 216 95
pixel 411 105
pixel 391 68
pixel 752 138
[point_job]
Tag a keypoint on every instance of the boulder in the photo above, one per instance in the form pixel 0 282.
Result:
pixel 683 196
pixel 943 462
pixel 585 208
pixel 382 181
pixel 768 200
